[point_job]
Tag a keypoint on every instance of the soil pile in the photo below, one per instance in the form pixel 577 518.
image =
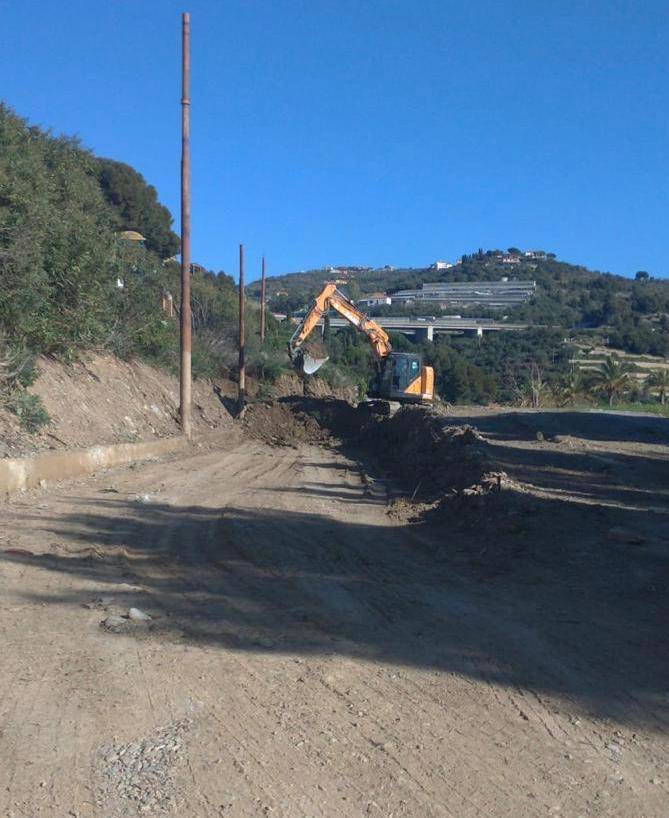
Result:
pixel 291 385
pixel 418 447
pixel 281 424
pixel 429 456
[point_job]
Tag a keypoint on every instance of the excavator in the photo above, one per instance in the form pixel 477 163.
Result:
pixel 400 376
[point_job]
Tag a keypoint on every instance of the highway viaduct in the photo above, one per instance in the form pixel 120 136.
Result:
pixel 424 329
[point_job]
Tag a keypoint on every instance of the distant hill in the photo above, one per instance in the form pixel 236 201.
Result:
pixel 631 314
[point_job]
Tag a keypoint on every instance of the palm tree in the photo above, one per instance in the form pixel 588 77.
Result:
pixel 572 388
pixel 612 377
pixel 660 380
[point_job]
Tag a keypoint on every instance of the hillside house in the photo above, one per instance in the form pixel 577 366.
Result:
pixel 374 300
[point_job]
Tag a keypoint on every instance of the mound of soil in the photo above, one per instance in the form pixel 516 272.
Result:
pixel 281 424
pixel 430 458
pixel 291 385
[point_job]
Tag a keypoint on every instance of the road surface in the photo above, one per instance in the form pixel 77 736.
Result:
pixel 308 655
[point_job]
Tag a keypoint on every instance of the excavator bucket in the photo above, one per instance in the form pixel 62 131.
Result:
pixel 310 364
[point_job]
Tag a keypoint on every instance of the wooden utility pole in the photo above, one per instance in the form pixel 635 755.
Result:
pixel 242 364
pixel 262 302
pixel 185 374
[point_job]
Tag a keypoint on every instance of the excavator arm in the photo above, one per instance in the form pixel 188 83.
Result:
pixel 331 297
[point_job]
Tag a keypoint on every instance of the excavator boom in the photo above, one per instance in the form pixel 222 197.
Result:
pixel 331 297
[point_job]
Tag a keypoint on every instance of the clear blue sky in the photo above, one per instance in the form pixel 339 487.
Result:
pixel 372 131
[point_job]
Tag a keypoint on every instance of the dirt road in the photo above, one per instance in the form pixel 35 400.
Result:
pixel 309 655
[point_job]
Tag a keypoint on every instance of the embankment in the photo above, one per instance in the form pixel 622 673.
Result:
pixel 101 400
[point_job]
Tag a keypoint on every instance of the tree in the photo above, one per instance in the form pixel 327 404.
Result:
pixel 642 275
pixel 514 251
pixel 58 256
pixel 136 205
pixel 612 378
pixel 572 388
pixel 659 379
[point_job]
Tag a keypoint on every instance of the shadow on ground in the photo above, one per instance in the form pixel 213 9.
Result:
pixel 506 588
pixel 595 425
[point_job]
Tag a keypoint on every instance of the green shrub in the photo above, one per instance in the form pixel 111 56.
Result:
pixel 29 410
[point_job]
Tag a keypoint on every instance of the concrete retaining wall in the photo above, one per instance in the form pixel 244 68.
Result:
pixel 17 474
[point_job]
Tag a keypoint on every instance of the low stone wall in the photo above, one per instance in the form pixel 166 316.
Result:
pixel 18 474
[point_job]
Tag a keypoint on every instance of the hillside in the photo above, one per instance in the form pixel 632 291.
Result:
pixel 632 314
pixel 86 261
pixel 100 399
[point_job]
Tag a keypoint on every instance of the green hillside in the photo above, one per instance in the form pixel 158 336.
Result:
pixel 573 310
pixel 632 313
pixel 71 281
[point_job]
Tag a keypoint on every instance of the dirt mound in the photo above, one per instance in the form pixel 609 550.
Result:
pixel 281 424
pixel 101 399
pixel 432 459
pixel 291 385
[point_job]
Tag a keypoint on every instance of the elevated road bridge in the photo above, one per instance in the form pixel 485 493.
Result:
pixel 424 329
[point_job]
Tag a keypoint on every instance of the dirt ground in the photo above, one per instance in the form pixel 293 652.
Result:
pixel 311 654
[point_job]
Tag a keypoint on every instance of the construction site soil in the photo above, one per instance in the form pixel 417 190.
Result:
pixel 324 612
pixel 433 460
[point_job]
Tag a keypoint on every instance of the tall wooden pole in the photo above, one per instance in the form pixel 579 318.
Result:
pixel 262 302
pixel 242 363
pixel 185 380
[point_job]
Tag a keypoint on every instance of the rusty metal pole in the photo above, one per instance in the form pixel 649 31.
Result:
pixel 185 375
pixel 242 363
pixel 262 302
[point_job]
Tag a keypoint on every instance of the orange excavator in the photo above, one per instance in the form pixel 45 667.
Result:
pixel 400 376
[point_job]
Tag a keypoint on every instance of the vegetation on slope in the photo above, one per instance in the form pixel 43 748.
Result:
pixel 572 306
pixel 71 283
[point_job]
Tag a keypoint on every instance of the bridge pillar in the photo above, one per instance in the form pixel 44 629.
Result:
pixel 424 334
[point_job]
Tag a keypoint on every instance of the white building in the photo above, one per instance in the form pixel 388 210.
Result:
pixel 374 300
pixel 440 265
pixel 493 294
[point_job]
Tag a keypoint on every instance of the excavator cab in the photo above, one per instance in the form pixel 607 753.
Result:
pixel 402 377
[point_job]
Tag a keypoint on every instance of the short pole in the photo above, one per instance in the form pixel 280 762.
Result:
pixel 262 302
pixel 242 363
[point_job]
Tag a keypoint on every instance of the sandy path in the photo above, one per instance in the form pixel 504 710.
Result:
pixel 308 657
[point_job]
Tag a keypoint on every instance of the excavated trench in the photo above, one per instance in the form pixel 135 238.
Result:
pixel 429 457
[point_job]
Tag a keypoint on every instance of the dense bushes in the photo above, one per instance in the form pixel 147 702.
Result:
pixel 136 206
pixel 70 282
pixel 58 258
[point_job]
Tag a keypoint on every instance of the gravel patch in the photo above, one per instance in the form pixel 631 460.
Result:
pixel 138 778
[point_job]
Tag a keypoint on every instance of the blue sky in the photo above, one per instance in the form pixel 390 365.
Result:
pixel 372 131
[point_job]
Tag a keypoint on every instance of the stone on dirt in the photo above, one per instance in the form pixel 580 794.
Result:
pixel 138 615
pixel 114 623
